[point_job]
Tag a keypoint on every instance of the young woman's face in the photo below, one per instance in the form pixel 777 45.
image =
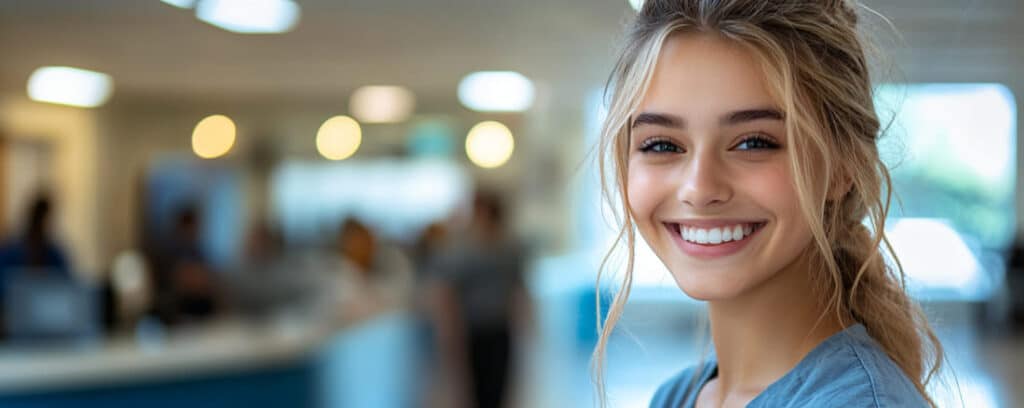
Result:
pixel 709 181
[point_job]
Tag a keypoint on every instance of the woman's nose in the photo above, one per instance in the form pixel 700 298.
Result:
pixel 704 182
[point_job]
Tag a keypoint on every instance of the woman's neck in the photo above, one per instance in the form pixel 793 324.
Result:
pixel 762 335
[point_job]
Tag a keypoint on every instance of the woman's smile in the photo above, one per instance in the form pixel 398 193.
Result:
pixel 712 238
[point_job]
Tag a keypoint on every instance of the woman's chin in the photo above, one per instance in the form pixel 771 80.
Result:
pixel 709 291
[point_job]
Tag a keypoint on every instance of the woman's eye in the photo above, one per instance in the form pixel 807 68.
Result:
pixel 757 143
pixel 660 146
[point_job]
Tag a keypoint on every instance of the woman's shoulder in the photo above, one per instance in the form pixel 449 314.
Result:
pixel 681 389
pixel 850 369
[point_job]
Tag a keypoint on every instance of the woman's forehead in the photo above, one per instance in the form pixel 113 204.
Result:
pixel 705 74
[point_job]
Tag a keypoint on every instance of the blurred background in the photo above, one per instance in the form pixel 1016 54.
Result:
pixel 368 203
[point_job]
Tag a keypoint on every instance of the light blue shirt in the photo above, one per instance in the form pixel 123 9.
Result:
pixel 848 369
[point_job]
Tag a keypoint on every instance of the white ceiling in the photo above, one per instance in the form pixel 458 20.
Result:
pixel 151 48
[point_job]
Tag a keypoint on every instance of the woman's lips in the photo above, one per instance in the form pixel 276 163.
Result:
pixel 712 243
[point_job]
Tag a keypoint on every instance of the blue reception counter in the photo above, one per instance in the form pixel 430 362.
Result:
pixel 370 363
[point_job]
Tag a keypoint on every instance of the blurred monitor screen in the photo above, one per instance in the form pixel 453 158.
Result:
pixel 42 308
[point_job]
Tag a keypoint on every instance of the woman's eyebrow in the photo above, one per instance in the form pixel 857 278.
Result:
pixel 659 119
pixel 729 119
pixel 750 115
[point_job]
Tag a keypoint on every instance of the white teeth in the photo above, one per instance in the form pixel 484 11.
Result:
pixel 716 236
pixel 701 236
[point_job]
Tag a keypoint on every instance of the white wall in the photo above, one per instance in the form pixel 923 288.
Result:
pixel 71 134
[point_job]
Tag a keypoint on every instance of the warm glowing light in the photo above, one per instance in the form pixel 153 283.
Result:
pixel 338 138
pixel 250 16
pixel 496 91
pixel 213 136
pixel 70 86
pixel 382 104
pixel 489 144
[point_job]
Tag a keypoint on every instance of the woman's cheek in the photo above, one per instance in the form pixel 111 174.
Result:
pixel 774 185
pixel 643 193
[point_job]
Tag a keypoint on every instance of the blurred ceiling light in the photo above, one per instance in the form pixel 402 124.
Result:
pixel 250 16
pixel 489 144
pixel 382 104
pixel 185 4
pixel 213 136
pixel 338 138
pixel 496 91
pixel 70 86
pixel 636 4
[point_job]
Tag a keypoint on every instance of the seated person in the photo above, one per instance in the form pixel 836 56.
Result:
pixel 34 251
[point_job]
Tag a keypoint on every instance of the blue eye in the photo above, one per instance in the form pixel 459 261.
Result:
pixel 757 142
pixel 659 146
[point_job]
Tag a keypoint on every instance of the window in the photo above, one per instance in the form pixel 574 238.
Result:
pixel 951 149
pixel 396 197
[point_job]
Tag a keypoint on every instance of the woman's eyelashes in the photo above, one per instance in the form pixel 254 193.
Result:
pixel 751 143
pixel 659 145
pixel 757 142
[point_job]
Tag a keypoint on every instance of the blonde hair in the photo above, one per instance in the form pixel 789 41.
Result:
pixel 816 68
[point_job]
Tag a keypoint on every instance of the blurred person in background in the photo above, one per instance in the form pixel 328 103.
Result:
pixel 371 277
pixel 34 250
pixel 263 243
pixel 267 281
pixel 426 250
pixel 481 304
pixel 35 247
pixel 187 290
pixel 430 243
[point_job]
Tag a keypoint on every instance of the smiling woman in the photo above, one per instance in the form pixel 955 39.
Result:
pixel 715 159
pixel 742 134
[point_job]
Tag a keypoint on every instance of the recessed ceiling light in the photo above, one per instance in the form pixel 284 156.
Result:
pixel 70 86
pixel 185 4
pixel 382 104
pixel 250 16
pixel 213 136
pixel 489 144
pixel 496 91
pixel 338 138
